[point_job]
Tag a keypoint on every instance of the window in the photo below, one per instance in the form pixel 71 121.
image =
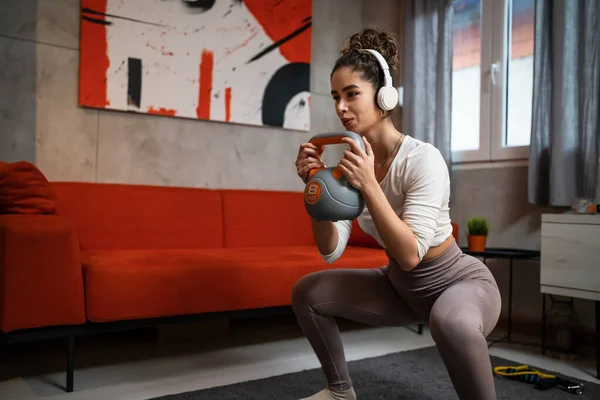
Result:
pixel 492 79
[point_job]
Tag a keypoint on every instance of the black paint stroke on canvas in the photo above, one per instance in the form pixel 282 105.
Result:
pixel 96 20
pixel 134 82
pixel 203 5
pixel 287 82
pixel 278 43
pixel 90 11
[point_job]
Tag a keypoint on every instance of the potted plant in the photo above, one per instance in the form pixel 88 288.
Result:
pixel 478 231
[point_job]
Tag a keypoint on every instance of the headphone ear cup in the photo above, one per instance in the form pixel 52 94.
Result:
pixel 387 98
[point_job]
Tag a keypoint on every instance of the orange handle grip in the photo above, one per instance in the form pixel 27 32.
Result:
pixel 327 140
pixel 323 139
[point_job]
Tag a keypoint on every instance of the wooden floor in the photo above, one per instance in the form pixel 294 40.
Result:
pixel 135 366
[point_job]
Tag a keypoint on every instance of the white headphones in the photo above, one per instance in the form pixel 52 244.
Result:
pixel 387 96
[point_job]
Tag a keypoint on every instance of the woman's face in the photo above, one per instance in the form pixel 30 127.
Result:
pixel 354 101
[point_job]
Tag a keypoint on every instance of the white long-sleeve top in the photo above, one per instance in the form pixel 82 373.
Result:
pixel 417 186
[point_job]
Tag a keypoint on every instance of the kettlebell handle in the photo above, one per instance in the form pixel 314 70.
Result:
pixel 326 138
pixel 323 139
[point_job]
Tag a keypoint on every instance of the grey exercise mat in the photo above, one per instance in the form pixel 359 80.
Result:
pixel 416 374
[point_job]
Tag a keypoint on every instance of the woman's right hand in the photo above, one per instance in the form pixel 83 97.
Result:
pixel 309 157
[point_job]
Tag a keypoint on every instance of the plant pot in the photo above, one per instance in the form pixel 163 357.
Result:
pixel 477 242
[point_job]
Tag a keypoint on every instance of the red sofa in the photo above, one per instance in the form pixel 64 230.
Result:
pixel 76 254
pixel 73 252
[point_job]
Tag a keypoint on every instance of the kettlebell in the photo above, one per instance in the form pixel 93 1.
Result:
pixel 328 196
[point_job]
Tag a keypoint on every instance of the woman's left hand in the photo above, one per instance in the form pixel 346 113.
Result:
pixel 358 165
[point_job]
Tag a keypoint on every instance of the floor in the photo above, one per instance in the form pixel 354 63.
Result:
pixel 135 366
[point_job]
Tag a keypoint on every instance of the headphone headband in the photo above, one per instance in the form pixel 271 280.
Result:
pixel 384 66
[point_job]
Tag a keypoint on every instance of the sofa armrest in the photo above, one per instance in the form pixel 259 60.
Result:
pixel 41 279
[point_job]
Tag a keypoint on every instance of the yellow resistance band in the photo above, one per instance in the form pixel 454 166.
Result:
pixel 519 370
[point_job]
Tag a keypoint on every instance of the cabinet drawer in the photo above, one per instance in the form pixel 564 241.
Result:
pixel 570 256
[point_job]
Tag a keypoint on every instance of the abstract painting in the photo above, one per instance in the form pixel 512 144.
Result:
pixel 234 61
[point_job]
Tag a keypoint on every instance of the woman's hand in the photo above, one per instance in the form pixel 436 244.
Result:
pixel 358 165
pixel 309 157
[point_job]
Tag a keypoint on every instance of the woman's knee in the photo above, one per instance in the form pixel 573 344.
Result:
pixel 456 328
pixel 303 290
pixel 466 311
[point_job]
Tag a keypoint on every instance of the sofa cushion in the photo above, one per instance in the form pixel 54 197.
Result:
pixel 265 218
pixel 122 285
pixel 119 216
pixel 25 190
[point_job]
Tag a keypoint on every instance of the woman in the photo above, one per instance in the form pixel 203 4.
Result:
pixel 406 187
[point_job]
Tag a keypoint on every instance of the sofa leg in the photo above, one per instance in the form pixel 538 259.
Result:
pixel 70 362
pixel 420 329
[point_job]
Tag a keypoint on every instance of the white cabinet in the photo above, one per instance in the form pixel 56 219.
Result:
pixel 570 255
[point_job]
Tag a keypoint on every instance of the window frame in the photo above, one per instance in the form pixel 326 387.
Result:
pixel 496 29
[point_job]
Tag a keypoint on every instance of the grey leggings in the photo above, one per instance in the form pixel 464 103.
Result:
pixel 455 293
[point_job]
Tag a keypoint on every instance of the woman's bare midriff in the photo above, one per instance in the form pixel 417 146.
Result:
pixel 438 250
pixel 433 251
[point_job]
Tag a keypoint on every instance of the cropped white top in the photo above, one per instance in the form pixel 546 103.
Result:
pixel 417 186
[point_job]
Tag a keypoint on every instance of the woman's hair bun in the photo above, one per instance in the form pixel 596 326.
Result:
pixel 377 39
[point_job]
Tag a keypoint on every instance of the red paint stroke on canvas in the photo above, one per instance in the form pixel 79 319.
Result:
pixel 228 104
pixel 244 43
pixel 205 87
pixel 94 61
pixel 162 111
pixel 161 50
pixel 279 18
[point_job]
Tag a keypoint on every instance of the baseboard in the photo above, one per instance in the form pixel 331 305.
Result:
pixel 583 337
